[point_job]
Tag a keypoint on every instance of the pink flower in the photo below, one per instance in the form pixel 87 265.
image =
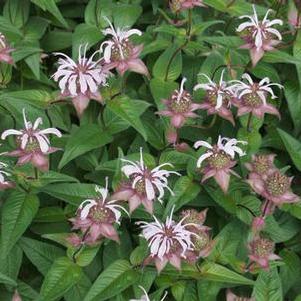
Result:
pixel 252 97
pixel 294 17
pixel 259 35
pixel 80 80
pixel 202 241
pixel 258 224
pixel 232 297
pixel 275 187
pixel 144 185
pixel 219 160
pixel 4 184
pixel 145 296
pixel 120 52
pixel 168 242
pixel 218 97
pixel 98 216
pixel 261 164
pixel 180 106
pixel 180 5
pixel 33 144
pixel 5 50
pixel 261 251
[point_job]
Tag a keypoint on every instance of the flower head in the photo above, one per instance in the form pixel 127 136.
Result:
pixel 80 80
pixel 33 143
pixel 294 17
pixel 219 159
pixel 5 50
pixel 168 242
pixel 120 53
pixel 275 187
pixel 261 164
pixel 252 97
pixel 180 5
pixel 260 36
pixel 144 185
pixel 218 97
pixel 16 296
pixel 179 106
pixel 97 216
pixel 145 296
pixel 261 251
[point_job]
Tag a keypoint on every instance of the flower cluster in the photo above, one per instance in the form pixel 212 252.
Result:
pixel 33 145
pixel 5 50
pixel 259 36
pixel 171 241
pixel 96 218
pixel 218 160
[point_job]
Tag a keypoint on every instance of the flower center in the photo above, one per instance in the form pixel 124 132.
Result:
pixel 140 186
pixel 263 247
pixel 121 51
pixel 183 104
pixel 219 160
pixel 99 214
pixel 261 164
pixel 201 241
pixel 252 100
pixel 32 144
pixel 277 184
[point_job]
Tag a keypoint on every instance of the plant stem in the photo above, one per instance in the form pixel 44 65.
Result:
pixel 249 122
pixel 36 173
pixel 266 206
pixel 81 246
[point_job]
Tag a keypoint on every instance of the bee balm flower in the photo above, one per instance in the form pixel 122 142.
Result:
pixel 179 5
pixel 261 164
pixel 33 144
pixel 252 97
pixel 261 251
pixel 145 296
pixel 294 18
pixel 259 35
pixel 168 242
pixel 180 106
pixel 218 97
pixel 97 216
pixel 5 50
pixel 219 160
pixel 120 53
pixel 80 80
pixel 144 185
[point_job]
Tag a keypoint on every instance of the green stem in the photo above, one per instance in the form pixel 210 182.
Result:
pixel 36 173
pixel 249 123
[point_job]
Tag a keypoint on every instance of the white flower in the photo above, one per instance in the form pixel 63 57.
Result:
pixel 221 89
pixel 261 88
pixel 261 29
pixel 154 180
pixel 119 37
pixel 227 145
pixel 162 236
pixel 3 173
pixel 31 134
pixel 145 297
pixel 2 41
pixel 88 204
pixel 82 76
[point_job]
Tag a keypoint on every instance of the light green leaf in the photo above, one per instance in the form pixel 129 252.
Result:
pixel 7 280
pixel 62 275
pixel 18 212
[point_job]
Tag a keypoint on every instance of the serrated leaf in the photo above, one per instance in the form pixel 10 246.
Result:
pixel 125 15
pixel 112 281
pixel 129 110
pixel 17 214
pixel 82 140
pixel 62 275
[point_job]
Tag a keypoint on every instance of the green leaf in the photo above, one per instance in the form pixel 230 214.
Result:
pixel 18 212
pixel 62 275
pixel 41 254
pixel 168 66
pixel 17 12
pixel 50 5
pixel 71 193
pixel 85 34
pixel 129 110
pixel 112 281
pixel 56 40
pixel 215 272
pixel 268 286
pixel 185 190
pixel 83 140
pixel 293 146
pixel 7 280
pixel 126 15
